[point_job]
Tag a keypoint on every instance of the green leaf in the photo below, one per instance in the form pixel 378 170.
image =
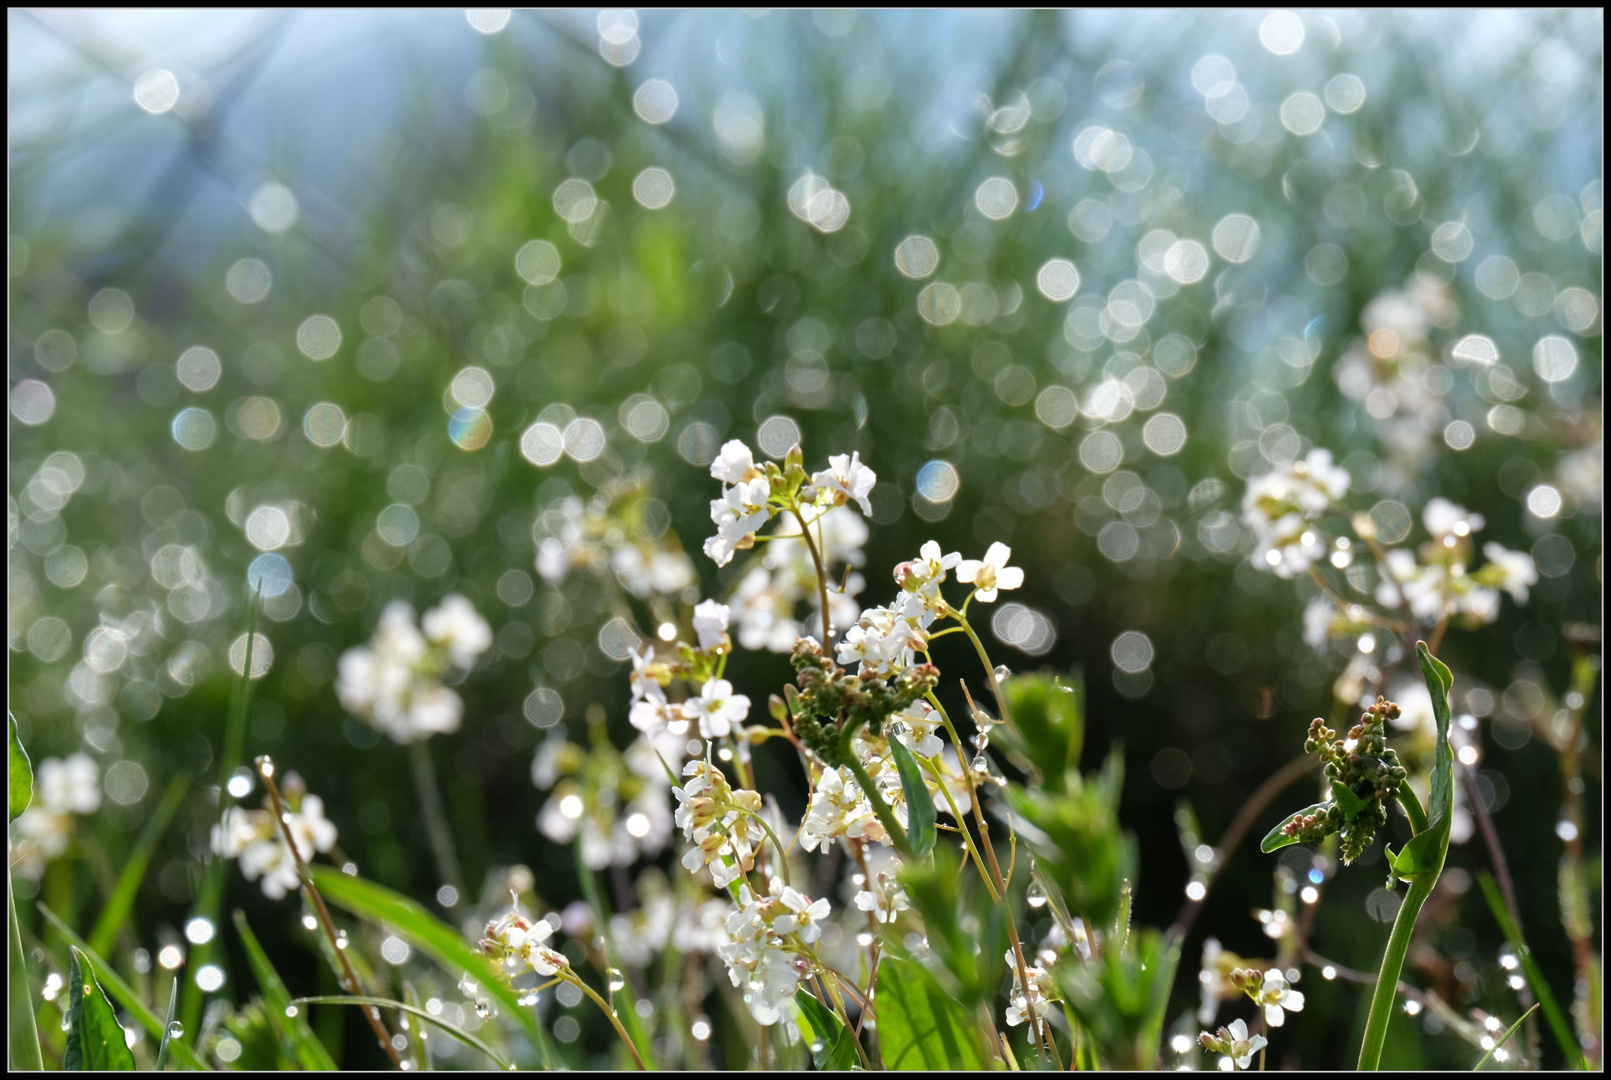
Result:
pixel 308 1052
pixel 1505 1037
pixel 20 778
pixel 919 804
pixel 167 1027
pixel 123 992
pixel 387 1003
pixel 23 1044
pixel 116 911
pixel 833 1049
pixel 1048 728
pixel 1345 797
pixel 1438 682
pixel 920 1026
pixel 95 1040
pixel 441 942
pixel 1276 839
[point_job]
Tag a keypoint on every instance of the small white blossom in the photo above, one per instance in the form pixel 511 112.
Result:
pixel 1512 571
pixel 1234 1043
pixel 1279 506
pixel 884 898
pixel 991 573
pixel 70 786
pixel 456 627
pixel 804 917
pixel 717 709
pixel 1034 1002
pixel 710 623
pixel 1444 519
pixel 882 642
pixel 1277 998
pixel 734 464
pixel 737 514
pixel 847 479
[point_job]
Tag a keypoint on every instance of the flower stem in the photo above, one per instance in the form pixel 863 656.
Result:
pixel 886 816
pixel 822 576
pixel 1398 944
pixel 447 864
pixel 615 1021
pixel 349 977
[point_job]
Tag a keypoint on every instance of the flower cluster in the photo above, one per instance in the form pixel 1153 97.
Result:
pixel 1033 1003
pixel 253 837
pixel 884 897
pixel 765 955
pixel 1281 506
pixel 1439 585
pixel 722 824
pixel 1270 991
pixel 62 788
pixel 773 586
pixel 1364 773
pixel 620 531
pixel 612 802
pixel 516 943
pixel 394 682
pixel 1234 1043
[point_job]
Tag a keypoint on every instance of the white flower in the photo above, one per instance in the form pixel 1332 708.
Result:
pixel 516 942
pixel 738 513
pixel 717 709
pixel 273 862
pixel 991 573
pixel 885 898
pixel 848 479
pixel 734 464
pixel 1279 505
pixel 71 786
pixel 1033 1003
pixel 710 623
pixel 1277 998
pixel 922 725
pixel 1444 519
pixel 1318 618
pixel 882 642
pixel 37 837
pixel 456 627
pixel 764 609
pixel 805 916
pixel 1512 571
pixel 311 830
pixel 1234 1043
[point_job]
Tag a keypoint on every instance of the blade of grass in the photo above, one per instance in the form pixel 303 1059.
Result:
pixel 1503 1038
pixel 116 912
pixel 212 886
pixel 123 992
pixel 23 1044
pixel 441 942
pixel 387 1003
pixel 309 1051
pixel 167 1027
pixel 1535 978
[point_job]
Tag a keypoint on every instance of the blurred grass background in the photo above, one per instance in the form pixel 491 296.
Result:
pixel 219 180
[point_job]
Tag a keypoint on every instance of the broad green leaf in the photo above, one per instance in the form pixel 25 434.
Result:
pixel 123 992
pixel 1438 682
pixel 1345 797
pixel 1422 855
pixel 20 776
pixel 22 1046
pixel 116 911
pixel 439 941
pixel 920 1026
pixel 387 1003
pixel 919 804
pixel 167 1028
pixel 1275 839
pixel 307 1050
pixel 95 1040
pixel 833 1048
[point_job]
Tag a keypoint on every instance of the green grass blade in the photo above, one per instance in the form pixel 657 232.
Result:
pixel 309 1051
pixel 387 1003
pixel 601 912
pixel 23 1044
pixel 95 1040
pixel 116 911
pixel 1506 1036
pixel 167 1028
pixel 441 942
pixel 1535 978
pixel 123 992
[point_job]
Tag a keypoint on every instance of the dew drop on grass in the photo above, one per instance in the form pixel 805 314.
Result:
pixel 176 1030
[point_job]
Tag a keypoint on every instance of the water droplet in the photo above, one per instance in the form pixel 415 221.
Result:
pixel 864 939
pixel 291 1010
pixel 816 1048
pixel 981 740
pixel 1037 895
pixel 67 1024
pixel 617 980
pixel 309 923
pixel 483 1009
pixel 981 764
pixel 176 1030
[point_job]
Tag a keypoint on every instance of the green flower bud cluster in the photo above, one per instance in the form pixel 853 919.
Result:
pixel 830 705
pixel 1364 772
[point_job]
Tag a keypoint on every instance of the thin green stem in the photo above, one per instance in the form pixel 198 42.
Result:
pixel 886 816
pixel 1398 944
pixel 822 575
pixel 962 827
pixel 783 857
pixel 990 671
pixel 615 1021
pixel 1412 809
pixel 436 826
